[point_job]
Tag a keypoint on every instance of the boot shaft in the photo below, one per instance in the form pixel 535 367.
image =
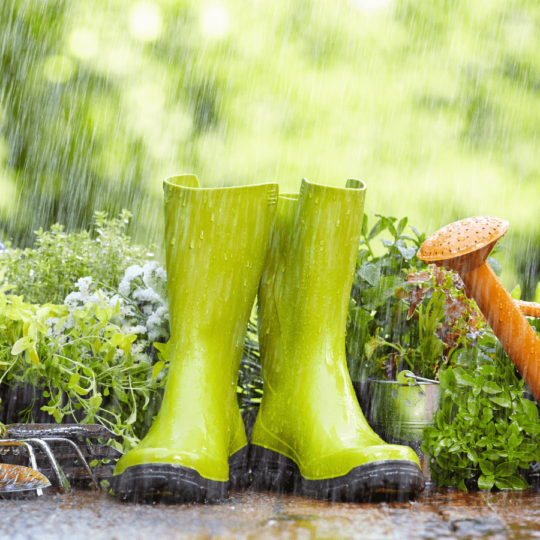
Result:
pixel 216 246
pixel 306 283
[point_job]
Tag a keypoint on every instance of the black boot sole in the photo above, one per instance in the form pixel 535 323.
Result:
pixel 173 484
pixel 381 480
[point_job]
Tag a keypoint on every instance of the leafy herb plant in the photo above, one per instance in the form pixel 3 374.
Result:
pixel 405 314
pixel 83 358
pixel 486 429
pixel 48 272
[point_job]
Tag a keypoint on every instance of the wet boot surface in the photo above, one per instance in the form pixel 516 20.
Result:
pixel 437 513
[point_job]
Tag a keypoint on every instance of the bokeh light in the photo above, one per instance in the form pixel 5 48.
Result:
pixel 216 21
pixel 83 43
pixel 369 5
pixel 146 21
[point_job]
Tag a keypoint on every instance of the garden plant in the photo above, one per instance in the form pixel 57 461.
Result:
pixel 89 333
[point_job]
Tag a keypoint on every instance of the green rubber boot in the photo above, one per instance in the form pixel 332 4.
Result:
pixel 217 241
pixel 310 436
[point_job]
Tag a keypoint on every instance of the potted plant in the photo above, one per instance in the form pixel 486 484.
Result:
pixel 408 321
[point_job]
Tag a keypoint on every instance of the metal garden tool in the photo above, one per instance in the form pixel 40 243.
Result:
pixel 16 478
pixel 464 247
pixel 60 451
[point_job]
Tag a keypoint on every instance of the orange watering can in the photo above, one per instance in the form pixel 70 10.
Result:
pixel 463 247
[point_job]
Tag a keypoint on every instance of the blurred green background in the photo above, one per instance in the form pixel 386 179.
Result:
pixel 435 104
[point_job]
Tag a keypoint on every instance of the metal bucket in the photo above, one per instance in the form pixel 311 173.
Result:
pixel 399 413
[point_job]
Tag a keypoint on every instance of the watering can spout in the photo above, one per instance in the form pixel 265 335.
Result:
pixel 464 247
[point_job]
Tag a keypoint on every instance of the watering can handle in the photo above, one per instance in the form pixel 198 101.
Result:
pixel 531 309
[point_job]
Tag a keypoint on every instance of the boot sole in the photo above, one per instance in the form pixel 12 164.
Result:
pixel 175 484
pixel 397 479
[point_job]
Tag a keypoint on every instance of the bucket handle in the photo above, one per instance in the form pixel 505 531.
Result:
pixel 418 380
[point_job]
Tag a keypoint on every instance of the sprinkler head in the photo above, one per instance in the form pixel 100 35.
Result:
pixel 464 245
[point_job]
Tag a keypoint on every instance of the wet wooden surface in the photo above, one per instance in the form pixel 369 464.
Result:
pixel 437 514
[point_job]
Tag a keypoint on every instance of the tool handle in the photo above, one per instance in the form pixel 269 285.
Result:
pixel 509 324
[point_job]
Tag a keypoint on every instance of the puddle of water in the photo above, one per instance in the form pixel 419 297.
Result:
pixel 435 514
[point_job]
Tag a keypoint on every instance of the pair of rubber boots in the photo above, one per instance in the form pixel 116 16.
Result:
pixel 310 436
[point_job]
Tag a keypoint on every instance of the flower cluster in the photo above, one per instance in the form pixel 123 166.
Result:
pixel 140 304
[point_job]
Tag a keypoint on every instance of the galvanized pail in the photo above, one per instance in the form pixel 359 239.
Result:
pixel 398 413
pixel 401 411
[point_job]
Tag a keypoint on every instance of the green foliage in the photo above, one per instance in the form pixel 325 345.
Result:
pixel 374 309
pixel 83 360
pixel 250 381
pixel 402 318
pixel 485 429
pixel 48 272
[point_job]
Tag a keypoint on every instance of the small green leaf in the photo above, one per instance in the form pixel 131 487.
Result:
pixel 506 469
pixel 371 273
pixel 487 468
pixel 464 379
pixel 101 314
pixel 73 380
pixel 80 391
pixel 34 358
pixel 157 369
pixel 21 345
pixel 486 482
pixel 377 296
pixel 502 401
pixel 96 400
pixel 491 388
pixel 516 292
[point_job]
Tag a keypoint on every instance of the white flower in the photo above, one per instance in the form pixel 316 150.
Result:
pixel 84 285
pixel 131 273
pixel 147 295
pixel 73 300
pixel 140 329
